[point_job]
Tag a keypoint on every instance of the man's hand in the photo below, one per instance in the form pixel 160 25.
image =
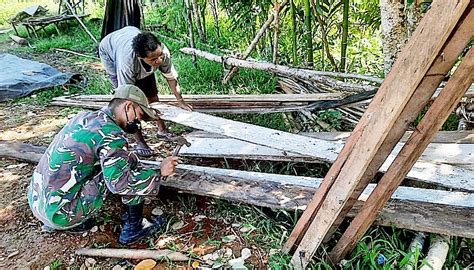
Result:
pixel 168 165
pixel 184 105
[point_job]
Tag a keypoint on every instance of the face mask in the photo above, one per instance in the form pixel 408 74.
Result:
pixel 132 126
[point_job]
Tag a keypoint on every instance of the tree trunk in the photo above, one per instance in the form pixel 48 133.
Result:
pixel 345 32
pixel 202 13
pixel 393 30
pixel 308 33
pixel 190 27
pixel 294 47
pixel 197 19
pixel 310 75
pixel 276 25
pixel 215 14
pixel 119 14
pixel 262 32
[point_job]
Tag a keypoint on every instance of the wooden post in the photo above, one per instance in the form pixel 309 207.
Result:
pixel 411 151
pixel 377 122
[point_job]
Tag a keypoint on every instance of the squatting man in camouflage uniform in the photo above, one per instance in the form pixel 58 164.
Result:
pixel 132 57
pixel 87 159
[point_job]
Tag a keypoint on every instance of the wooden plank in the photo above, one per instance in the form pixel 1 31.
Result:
pixel 65 102
pixel 444 137
pixel 319 149
pixel 236 98
pixel 379 119
pixel 418 141
pixel 437 211
pixel 224 147
pixel 424 171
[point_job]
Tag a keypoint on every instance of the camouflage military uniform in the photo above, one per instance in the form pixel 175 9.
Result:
pixel 86 159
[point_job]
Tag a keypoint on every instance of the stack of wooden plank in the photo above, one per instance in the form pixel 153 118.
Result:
pixel 429 210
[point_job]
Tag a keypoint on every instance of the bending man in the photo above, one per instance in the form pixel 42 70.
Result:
pixel 132 57
pixel 88 159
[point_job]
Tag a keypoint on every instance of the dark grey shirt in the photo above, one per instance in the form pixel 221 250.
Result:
pixel 120 60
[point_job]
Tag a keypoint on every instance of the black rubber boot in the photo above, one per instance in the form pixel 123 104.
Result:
pixel 135 226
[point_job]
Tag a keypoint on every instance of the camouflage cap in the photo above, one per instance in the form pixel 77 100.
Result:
pixel 135 94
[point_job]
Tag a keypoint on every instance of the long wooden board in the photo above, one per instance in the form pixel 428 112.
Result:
pixel 318 149
pixel 234 98
pixel 220 146
pixel 204 108
pixel 437 211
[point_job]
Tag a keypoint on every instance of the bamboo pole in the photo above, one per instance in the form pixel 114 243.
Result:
pixel 436 254
pixel 140 254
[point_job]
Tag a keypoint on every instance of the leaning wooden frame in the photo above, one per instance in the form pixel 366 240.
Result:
pixel 440 38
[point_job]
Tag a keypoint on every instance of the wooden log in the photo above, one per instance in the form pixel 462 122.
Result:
pixel 349 171
pixel 133 254
pixel 411 151
pixel 437 211
pixel 19 40
pixel 21 151
pixel 312 75
pixel 436 254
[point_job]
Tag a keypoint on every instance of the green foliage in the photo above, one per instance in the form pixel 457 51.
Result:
pixel 56 264
pixel 332 117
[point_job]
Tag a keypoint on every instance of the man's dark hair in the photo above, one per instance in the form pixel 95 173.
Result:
pixel 114 103
pixel 144 43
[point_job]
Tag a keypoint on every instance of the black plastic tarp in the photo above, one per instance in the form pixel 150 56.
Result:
pixel 19 77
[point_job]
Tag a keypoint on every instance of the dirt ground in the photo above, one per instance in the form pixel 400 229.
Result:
pixel 24 245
